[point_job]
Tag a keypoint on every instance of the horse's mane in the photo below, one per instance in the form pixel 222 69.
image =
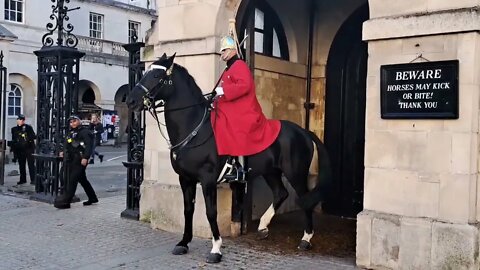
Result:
pixel 191 83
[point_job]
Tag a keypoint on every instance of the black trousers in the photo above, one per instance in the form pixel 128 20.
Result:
pixel 77 174
pixel 24 155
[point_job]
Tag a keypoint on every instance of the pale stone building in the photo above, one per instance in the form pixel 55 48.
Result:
pixel 412 184
pixel 101 26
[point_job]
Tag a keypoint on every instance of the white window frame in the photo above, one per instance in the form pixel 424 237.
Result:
pixel 8 11
pixel 96 27
pixel 13 88
pixel 130 32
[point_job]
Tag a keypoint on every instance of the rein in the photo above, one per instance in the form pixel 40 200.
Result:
pixel 152 109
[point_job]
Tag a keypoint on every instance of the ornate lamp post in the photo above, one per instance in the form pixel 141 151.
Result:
pixel 3 113
pixel 57 98
pixel 136 135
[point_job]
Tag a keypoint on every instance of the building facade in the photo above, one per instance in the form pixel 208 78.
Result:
pixel 411 183
pixel 102 27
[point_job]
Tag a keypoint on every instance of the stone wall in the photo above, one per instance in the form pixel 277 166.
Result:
pixel 421 176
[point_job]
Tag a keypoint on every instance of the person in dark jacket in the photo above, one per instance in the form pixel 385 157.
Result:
pixel 77 151
pixel 97 129
pixel 23 147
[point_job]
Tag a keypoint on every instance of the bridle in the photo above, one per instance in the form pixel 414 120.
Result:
pixel 152 106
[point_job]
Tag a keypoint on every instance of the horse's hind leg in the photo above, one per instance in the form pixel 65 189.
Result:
pixel 189 189
pixel 210 195
pixel 280 193
pixel 299 183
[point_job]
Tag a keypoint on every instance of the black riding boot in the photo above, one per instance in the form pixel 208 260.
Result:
pixel 237 174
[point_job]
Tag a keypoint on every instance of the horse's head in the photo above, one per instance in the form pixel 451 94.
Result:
pixel 150 87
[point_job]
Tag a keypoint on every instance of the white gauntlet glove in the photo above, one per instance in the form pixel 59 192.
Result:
pixel 219 91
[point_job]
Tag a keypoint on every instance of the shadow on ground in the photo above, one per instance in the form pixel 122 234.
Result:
pixel 334 236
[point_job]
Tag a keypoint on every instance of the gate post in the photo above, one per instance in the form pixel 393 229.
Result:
pixel 136 135
pixel 57 99
pixel 3 114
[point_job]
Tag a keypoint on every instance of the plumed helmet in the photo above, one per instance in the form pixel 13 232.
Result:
pixel 227 42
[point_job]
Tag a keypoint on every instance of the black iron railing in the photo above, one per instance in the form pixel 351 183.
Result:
pixel 136 136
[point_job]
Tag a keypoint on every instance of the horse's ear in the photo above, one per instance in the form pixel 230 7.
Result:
pixel 171 59
pixel 164 56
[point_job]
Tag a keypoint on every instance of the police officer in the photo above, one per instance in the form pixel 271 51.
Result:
pixel 77 151
pixel 23 147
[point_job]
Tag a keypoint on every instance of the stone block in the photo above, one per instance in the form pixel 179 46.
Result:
pixel 420 24
pixel 400 192
pixel 455 203
pixel 436 5
pixel 380 150
pixel 438 156
pixel 385 8
pixel 468 110
pixel 385 241
pixel 364 238
pixel 422 45
pixel 464 153
pixel 415 244
pixel 455 246
pixel 411 149
pixel 477 209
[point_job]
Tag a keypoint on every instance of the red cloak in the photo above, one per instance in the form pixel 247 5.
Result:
pixel 240 127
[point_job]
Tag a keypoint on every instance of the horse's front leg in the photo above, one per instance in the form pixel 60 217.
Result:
pixel 210 195
pixel 189 189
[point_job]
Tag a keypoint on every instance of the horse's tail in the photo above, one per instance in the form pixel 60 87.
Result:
pixel 324 178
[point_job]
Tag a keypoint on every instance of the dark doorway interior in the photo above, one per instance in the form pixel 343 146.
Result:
pixel 345 115
pixel 89 96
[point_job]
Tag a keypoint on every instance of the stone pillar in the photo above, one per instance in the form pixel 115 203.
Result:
pixel 421 176
pixel 196 42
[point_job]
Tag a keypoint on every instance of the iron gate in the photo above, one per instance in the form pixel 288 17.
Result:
pixel 136 135
pixel 57 99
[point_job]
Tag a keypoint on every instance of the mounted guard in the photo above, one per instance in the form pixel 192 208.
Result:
pixel 276 149
pixel 240 127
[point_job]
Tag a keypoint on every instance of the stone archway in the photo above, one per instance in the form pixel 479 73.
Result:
pixel 88 90
pixel 88 98
pixel 196 44
pixel 28 100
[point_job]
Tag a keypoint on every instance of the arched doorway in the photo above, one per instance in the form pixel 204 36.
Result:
pixel 346 74
pixel 339 67
pixel 88 96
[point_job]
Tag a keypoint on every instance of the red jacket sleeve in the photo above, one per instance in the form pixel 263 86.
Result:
pixel 237 82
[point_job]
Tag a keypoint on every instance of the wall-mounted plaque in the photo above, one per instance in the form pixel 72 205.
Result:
pixel 426 90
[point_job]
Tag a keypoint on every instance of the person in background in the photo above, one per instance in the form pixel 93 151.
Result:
pixel 23 146
pixel 97 129
pixel 77 148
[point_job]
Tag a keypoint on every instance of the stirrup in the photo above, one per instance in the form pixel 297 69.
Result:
pixel 237 174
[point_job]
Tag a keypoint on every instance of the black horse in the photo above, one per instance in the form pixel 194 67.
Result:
pixel 194 155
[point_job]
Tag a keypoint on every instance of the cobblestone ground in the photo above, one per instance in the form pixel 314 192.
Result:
pixel 35 235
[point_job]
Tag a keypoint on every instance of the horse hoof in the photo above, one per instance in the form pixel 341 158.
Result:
pixel 214 258
pixel 262 234
pixel 304 245
pixel 180 250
